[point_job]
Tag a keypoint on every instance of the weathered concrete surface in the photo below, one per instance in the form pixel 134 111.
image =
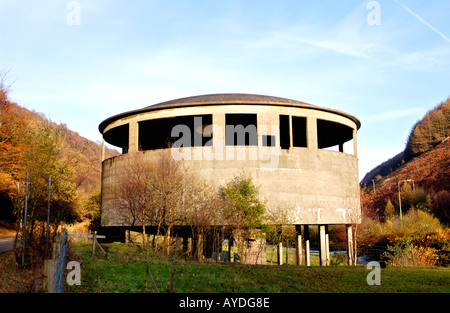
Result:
pixel 301 185
pixel 308 187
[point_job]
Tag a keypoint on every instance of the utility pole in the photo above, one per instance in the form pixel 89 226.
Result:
pixel 24 244
pixel 48 208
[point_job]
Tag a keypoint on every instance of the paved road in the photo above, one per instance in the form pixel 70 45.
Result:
pixel 6 244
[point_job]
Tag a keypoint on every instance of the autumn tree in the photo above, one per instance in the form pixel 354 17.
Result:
pixel 134 193
pixel 203 207
pixel 47 155
pixel 168 186
pixel 150 191
pixel 13 134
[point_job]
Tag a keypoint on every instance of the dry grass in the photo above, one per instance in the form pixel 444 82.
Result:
pixel 16 280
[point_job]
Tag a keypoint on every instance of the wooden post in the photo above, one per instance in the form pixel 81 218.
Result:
pixel 49 275
pixel 94 239
pixel 307 251
pixel 280 253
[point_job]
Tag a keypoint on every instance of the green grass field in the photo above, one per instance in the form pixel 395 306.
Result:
pixel 124 269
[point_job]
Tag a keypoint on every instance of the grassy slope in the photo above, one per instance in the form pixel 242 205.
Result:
pixel 125 271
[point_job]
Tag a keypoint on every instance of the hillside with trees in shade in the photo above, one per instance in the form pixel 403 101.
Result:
pixel 425 162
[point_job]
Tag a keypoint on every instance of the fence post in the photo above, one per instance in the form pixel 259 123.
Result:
pixel 94 239
pixel 280 253
pixel 54 267
pixel 49 272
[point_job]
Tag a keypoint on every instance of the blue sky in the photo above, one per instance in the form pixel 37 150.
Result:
pixel 79 62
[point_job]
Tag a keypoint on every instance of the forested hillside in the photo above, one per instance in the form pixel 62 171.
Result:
pixel 30 143
pixel 425 163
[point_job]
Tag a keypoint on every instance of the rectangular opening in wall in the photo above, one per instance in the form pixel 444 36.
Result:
pixel 332 135
pixel 268 141
pixel 285 138
pixel 299 131
pixel 241 130
pixel 118 136
pixel 183 131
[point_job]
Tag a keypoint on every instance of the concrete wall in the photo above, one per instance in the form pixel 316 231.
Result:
pixel 301 185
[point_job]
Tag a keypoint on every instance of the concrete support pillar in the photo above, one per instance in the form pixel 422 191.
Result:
pixel 355 152
pixel 280 253
pixel 307 250
pixel 133 137
pixel 103 150
pixel 323 245
pixel 199 248
pixel 231 249
pixel 298 245
pixel 219 128
pixel 327 246
pixel 350 257
pixel 311 132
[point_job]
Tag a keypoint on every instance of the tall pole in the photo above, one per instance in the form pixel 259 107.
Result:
pixel 24 244
pixel 48 207
pixel 399 201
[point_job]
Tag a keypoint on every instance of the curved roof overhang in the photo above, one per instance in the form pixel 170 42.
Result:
pixel 225 99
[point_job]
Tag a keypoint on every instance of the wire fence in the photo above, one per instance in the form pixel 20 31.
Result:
pixel 54 267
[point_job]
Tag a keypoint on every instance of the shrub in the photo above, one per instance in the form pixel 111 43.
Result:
pixel 417 227
pixel 408 254
pixel 417 198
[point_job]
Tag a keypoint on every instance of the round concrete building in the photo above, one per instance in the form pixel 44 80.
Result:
pixel 303 157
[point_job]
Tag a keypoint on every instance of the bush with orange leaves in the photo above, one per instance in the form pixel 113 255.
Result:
pixel 414 240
